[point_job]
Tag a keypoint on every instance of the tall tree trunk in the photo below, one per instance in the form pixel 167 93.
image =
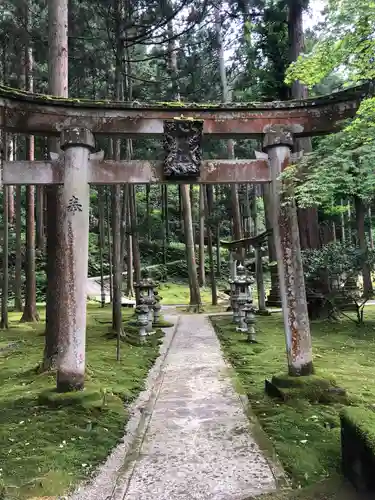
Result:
pixel 209 208
pixel 258 252
pixel 307 217
pixel 40 233
pixel 117 268
pixel 202 272
pixel 195 296
pixel 58 86
pixel 123 223
pixel 101 242
pixel 129 250
pixel 227 97
pixel 11 205
pixel 116 259
pixel 370 232
pixel 30 313
pixel 148 218
pixel 135 242
pixel 5 288
pixel 18 270
pixel 343 228
pixel 166 213
pixel 109 238
pixel 116 190
pixel 274 298
pixel 360 214
pixel 164 223
pixel 218 249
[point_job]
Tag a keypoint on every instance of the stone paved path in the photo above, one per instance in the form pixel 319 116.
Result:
pixel 197 443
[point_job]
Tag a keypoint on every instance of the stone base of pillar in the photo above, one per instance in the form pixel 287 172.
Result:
pixel 69 382
pixel 302 371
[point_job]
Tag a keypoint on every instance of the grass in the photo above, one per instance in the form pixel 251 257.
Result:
pixel 305 435
pixel 178 293
pixel 44 450
pixel 331 489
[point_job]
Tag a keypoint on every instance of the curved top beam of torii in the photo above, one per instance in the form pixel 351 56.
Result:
pixel 23 112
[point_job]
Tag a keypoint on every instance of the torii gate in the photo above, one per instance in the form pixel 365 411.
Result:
pixel 181 125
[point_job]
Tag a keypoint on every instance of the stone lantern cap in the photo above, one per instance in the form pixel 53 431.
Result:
pixel 242 278
pixel 145 284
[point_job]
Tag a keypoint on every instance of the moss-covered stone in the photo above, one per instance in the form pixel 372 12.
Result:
pixel 85 398
pixel 312 388
pixel 284 380
pixel 363 420
pixel 91 398
pixel 163 324
pixel 358 447
pixel 353 93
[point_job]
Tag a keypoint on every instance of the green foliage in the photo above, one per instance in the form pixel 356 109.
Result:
pixel 336 260
pixel 346 40
pixel 305 435
pixel 340 166
pixel 329 272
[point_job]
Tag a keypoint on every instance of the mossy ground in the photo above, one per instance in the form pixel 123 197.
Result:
pixel 331 489
pixel 178 293
pixel 305 435
pixel 44 450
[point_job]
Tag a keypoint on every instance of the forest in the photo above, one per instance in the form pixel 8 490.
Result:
pixel 188 237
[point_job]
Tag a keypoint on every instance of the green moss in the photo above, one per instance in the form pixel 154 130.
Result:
pixel 332 489
pixel 363 420
pixel 305 434
pixel 312 388
pixel 179 294
pixel 43 446
pixel 88 398
pixel 163 324
pixel 313 381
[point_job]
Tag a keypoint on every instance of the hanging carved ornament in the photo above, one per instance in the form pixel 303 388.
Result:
pixel 182 145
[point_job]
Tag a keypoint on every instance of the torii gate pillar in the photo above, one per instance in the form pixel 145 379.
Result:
pixel 77 144
pixel 278 143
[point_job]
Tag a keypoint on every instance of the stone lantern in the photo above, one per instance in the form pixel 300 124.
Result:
pixel 142 319
pixel 157 307
pixel 242 292
pixel 146 292
pixel 146 288
pixel 249 312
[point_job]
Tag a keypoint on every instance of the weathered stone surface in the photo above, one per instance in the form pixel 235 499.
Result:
pixel 75 229
pixel 289 259
pixel 136 172
pixel 77 136
pixel 38 114
pixel 197 444
pixel 278 135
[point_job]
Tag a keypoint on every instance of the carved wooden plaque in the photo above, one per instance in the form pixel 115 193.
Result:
pixel 182 145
